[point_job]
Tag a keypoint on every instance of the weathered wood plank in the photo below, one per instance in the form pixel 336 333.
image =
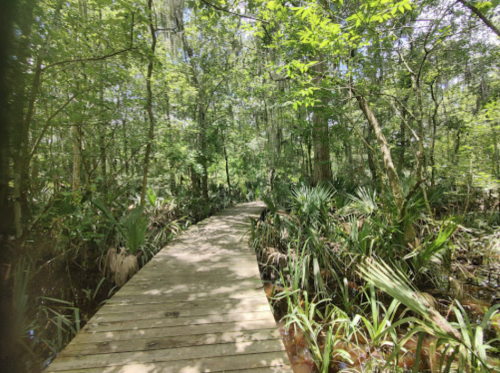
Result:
pixel 199 287
pixel 146 344
pixel 203 307
pixel 120 335
pixel 193 278
pixel 173 319
pixel 211 364
pixel 171 354
pixel 144 312
pixel 155 296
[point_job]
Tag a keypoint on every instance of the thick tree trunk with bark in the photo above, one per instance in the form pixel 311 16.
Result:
pixel 321 143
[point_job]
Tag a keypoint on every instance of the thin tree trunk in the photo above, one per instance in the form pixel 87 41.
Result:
pixel 125 143
pixel 203 150
pixel 392 175
pixel 402 138
pixel 103 157
pixel 149 103
pixel 76 157
pixel 227 165
pixel 173 186
pixel 496 160
pixel 309 158
pixel 371 162
pixel 433 140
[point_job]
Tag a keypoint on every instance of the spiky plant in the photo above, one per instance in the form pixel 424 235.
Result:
pixel 427 256
pixel 364 203
pixel 311 205
pixel 134 229
pixel 461 344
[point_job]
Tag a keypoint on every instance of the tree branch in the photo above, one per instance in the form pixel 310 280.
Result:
pixel 481 16
pixel 47 123
pixel 99 58
pixel 233 13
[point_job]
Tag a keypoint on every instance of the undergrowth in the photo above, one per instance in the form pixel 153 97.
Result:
pixel 327 253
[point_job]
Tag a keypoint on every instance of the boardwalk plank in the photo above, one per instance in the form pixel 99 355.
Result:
pixel 120 335
pixel 156 296
pixel 172 354
pixel 177 314
pixel 204 307
pixel 211 364
pixel 146 344
pixel 173 319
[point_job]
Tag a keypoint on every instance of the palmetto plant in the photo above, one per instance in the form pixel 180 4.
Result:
pixel 134 228
pixel 360 242
pixel 426 256
pixel 364 203
pixel 311 205
pixel 461 344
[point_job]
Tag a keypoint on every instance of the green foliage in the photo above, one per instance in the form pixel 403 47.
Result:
pixel 378 324
pixel 429 256
pixel 463 339
pixel 237 104
pixel 134 229
pixel 312 205
pixel 363 203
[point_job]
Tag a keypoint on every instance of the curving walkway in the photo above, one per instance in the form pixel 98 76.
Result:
pixel 197 306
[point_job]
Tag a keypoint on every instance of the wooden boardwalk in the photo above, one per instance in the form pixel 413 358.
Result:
pixel 197 306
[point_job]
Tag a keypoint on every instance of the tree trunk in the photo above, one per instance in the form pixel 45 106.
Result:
pixel 227 168
pixel 392 175
pixel 433 140
pixel 203 151
pixel 173 186
pixel 402 138
pixel 321 143
pixel 76 157
pixel 496 156
pixel 481 16
pixel 149 103
pixel 371 162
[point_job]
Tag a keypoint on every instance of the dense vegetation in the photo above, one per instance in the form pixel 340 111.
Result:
pixel 369 128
